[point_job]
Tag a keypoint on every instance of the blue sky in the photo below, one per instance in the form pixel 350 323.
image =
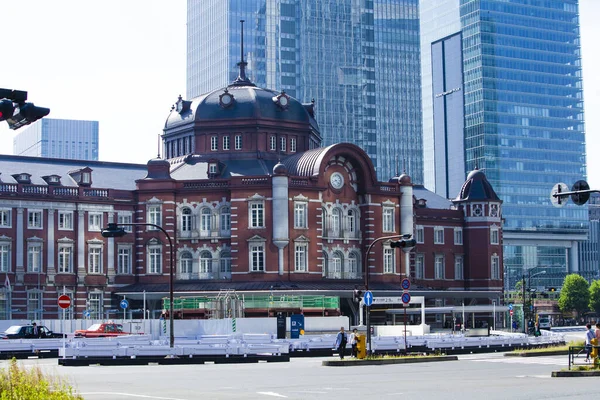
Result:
pixel 123 63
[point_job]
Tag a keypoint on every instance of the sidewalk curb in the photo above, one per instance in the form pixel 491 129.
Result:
pixel 386 361
pixel 538 354
pixel 571 374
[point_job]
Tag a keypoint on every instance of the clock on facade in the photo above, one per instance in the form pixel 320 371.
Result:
pixel 337 180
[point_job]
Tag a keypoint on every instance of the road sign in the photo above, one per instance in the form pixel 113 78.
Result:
pixel 86 313
pixel 559 201
pixel 368 298
pixel 64 301
pixel 511 312
pixel 405 284
pixel 124 303
pixel 510 307
pixel 405 298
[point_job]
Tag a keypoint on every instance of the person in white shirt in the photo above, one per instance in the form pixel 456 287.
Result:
pixel 354 342
pixel 589 335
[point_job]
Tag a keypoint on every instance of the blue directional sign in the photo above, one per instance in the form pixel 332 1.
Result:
pixel 368 298
pixel 86 313
pixel 510 307
pixel 405 284
pixel 406 298
pixel 124 303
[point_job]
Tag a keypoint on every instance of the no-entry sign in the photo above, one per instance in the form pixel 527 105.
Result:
pixel 64 301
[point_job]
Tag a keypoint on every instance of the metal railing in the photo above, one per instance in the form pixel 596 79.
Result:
pixel 579 354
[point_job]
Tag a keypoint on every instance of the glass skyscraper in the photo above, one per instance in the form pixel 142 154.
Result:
pixel 358 60
pixel 521 85
pixel 58 138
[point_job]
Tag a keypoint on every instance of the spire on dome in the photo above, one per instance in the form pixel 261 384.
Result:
pixel 242 79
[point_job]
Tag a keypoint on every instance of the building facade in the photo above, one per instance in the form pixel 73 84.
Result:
pixel 589 250
pixel 59 138
pixel 252 204
pixel 359 62
pixel 507 76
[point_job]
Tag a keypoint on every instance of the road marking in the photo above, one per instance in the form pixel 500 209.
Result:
pixel 272 394
pixel 128 394
pixel 534 376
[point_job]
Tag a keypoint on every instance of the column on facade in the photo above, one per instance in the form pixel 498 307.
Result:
pixel 280 217
pixel 406 218
pixel 110 252
pixel 51 245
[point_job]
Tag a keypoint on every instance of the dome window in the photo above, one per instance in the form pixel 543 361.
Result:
pixel 226 99
pixel 282 100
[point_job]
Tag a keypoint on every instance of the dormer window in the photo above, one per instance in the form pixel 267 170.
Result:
pixel 213 169
pixel 82 176
pixel 52 179
pixel 23 178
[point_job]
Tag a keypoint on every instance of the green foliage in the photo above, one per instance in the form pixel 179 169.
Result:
pixel 30 384
pixel 595 297
pixel 575 294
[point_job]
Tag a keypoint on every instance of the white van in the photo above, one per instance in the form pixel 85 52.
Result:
pixel 544 321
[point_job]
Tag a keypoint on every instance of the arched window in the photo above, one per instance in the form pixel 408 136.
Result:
pixel 205 263
pixel 205 220
pixel 185 263
pixel 186 219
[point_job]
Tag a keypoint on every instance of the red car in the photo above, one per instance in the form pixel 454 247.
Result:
pixel 101 330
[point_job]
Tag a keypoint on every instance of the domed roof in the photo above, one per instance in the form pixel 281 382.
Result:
pixel 280 169
pixel 477 187
pixel 242 102
pixel 403 179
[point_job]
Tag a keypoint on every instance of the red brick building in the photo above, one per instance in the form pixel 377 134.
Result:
pixel 252 203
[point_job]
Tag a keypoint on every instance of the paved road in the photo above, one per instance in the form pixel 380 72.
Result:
pixel 474 376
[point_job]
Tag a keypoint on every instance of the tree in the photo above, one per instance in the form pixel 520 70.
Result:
pixel 595 297
pixel 574 295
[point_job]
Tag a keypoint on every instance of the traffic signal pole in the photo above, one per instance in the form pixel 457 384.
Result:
pixel 407 242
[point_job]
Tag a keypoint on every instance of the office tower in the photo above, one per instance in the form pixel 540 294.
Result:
pixel 516 67
pixel 58 138
pixel 359 61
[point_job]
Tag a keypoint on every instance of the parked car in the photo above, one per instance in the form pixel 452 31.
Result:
pixel 26 332
pixel 101 330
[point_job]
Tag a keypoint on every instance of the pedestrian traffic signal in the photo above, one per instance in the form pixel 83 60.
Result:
pixel 6 109
pixel 27 113
pixel 15 111
pixel 358 295
pixel 403 244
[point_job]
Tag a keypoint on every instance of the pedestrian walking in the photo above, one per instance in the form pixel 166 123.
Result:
pixel 589 335
pixel 340 342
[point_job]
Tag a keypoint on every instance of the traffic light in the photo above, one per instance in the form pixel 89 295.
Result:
pixel 552 289
pixel 358 295
pixel 15 111
pixel 6 109
pixel 403 244
pixel 28 113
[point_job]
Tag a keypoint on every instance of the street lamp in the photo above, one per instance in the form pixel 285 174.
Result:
pixel 114 230
pixel 405 243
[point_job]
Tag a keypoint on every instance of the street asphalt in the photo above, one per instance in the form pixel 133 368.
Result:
pixel 473 376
